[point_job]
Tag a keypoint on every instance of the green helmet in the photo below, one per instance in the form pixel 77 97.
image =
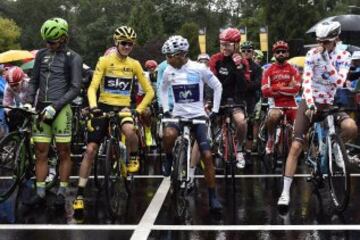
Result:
pixel 258 54
pixel 247 45
pixel 54 28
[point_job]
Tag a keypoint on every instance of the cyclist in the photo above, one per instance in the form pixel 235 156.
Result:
pixel 14 95
pixel 203 58
pixel 258 56
pixel 150 66
pixel 55 82
pixel 325 70
pixel 281 82
pixel 186 79
pixel 232 71
pixel 113 77
pixel 3 125
pixel 252 95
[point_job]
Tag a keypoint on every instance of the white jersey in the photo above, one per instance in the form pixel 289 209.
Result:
pixel 187 85
pixel 323 74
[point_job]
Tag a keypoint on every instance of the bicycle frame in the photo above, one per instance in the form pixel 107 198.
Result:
pixel 184 137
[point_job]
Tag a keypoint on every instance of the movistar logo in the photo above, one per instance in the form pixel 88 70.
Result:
pixel 185 94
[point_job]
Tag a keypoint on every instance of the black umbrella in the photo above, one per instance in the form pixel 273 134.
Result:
pixel 349 23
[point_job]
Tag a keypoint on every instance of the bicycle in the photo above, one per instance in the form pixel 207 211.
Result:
pixel 180 176
pixel 327 158
pixel 283 134
pixel 17 158
pixel 225 141
pixel 112 158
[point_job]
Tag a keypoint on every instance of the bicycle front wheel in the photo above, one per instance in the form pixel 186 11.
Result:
pixel 115 190
pixel 9 167
pixel 339 176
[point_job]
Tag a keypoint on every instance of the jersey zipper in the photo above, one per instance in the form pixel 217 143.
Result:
pixel 48 76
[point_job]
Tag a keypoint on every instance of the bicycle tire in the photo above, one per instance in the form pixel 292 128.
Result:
pixel 231 154
pixel 261 142
pixel 9 167
pixel 338 174
pixel 114 182
pixel 99 167
pixel 177 176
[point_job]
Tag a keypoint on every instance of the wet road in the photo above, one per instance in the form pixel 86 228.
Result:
pixel 250 212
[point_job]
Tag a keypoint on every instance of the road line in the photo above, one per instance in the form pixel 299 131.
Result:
pixel 255 227
pixel 202 176
pixel 65 227
pixel 147 221
pixel 143 231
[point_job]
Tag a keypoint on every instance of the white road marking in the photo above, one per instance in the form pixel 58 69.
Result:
pixel 143 229
pixel 202 176
pixel 147 221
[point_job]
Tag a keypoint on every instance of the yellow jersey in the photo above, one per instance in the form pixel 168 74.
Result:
pixel 115 76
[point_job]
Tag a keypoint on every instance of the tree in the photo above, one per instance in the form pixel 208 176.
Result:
pixel 146 21
pixel 10 33
pixel 190 31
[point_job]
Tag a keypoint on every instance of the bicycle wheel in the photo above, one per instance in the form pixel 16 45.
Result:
pixel 114 182
pixel 9 167
pixel 261 143
pixel 99 167
pixel 231 152
pixel 178 176
pixel 339 176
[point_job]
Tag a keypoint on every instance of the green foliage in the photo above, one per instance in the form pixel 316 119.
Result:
pixel 10 33
pixel 190 31
pixel 92 22
pixel 146 21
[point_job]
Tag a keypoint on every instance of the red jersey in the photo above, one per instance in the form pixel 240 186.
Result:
pixel 281 82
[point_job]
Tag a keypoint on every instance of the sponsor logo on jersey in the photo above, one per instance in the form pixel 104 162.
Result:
pixel 186 93
pixel 120 86
pixel 223 71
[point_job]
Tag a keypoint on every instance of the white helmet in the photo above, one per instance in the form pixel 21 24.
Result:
pixel 203 56
pixel 175 44
pixel 328 31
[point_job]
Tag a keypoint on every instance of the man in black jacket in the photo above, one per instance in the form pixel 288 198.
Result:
pixel 55 83
pixel 252 94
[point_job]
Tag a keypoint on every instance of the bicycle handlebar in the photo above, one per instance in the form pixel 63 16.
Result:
pixel 30 111
pixel 184 120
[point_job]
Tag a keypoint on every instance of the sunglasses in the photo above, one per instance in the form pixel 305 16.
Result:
pixel 325 42
pixel 173 55
pixel 281 51
pixel 52 42
pixel 227 44
pixel 125 43
pixel 12 85
pixel 246 50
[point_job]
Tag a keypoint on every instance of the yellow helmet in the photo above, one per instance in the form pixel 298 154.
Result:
pixel 124 33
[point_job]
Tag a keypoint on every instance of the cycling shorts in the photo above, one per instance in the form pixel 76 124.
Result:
pixel 302 123
pixel 290 114
pixel 100 125
pixel 200 132
pixel 60 128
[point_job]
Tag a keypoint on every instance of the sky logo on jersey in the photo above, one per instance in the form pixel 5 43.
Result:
pixel 120 86
pixel 186 93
